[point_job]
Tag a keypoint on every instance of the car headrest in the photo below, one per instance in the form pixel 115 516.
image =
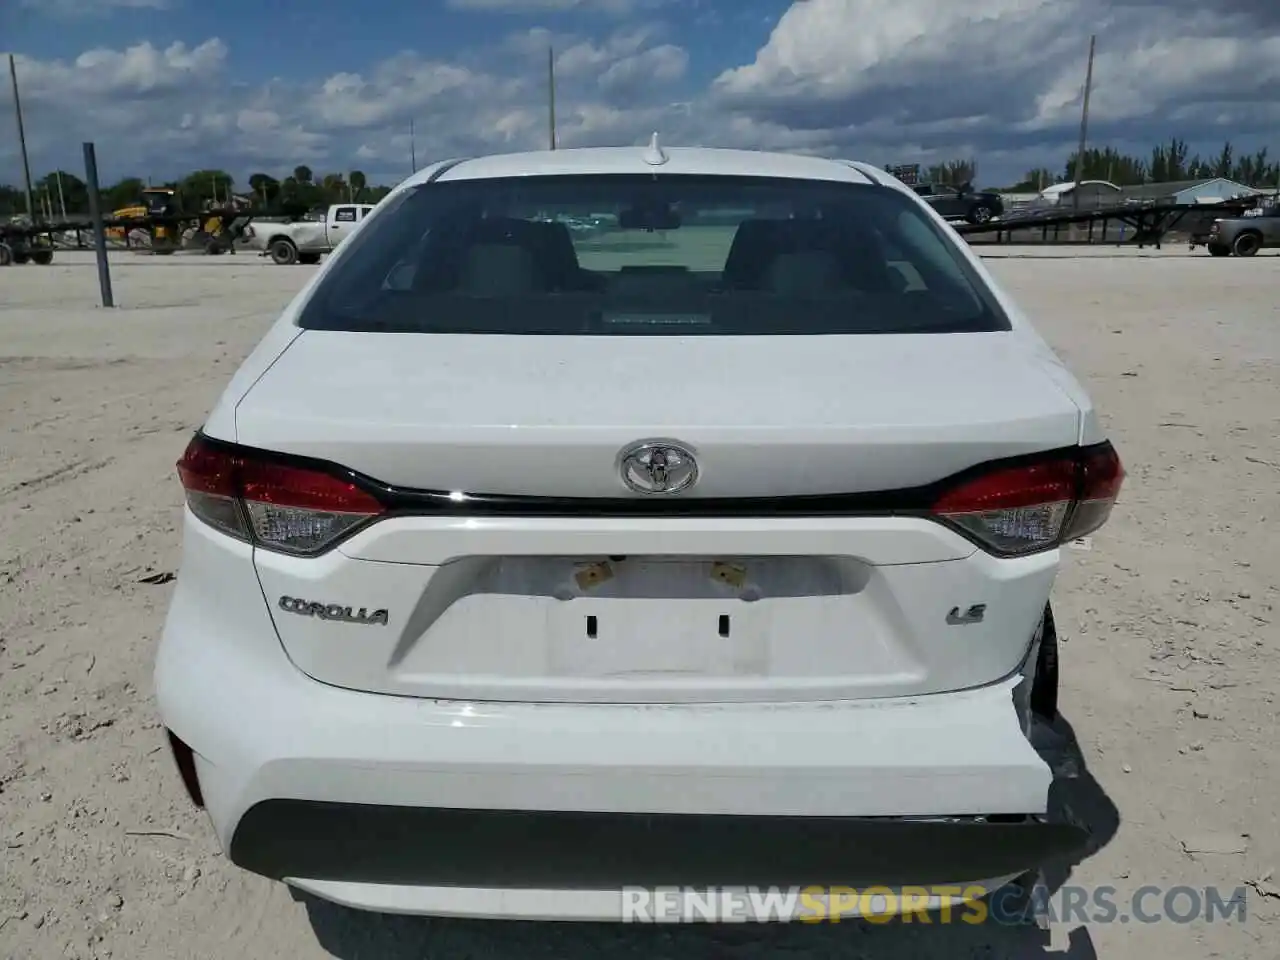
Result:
pixel 809 271
pixel 758 243
pixel 548 244
pixel 753 247
pixel 498 230
pixel 554 247
pixel 497 269
pixel 447 261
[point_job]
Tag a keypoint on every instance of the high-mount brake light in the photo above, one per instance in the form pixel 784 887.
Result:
pixel 276 506
pixel 1018 510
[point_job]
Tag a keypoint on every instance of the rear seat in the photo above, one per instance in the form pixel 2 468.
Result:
pixel 794 256
pixel 524 255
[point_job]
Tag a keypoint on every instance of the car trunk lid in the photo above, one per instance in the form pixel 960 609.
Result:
pixel 548 416
pixel 593 605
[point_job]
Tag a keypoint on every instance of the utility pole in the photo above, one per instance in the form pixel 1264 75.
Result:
pixel 413 149
pixel 551 94
pixel 99 230
pixel 62 197
pixel 1084 121
pixel 22 136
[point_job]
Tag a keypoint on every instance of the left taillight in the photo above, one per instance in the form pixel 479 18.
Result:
pixel 278 506
pixel 1037 504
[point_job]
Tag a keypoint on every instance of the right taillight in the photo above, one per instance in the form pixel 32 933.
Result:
pixel 278 506
pixel 1036 505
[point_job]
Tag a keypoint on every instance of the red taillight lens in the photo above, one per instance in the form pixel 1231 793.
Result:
pixel 1102 475
pixel 1023 509
pixel 289 509
pixel 208 475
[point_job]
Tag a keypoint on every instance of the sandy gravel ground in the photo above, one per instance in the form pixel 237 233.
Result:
pixel 1170 622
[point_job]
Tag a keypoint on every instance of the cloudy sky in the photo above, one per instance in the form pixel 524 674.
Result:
pixel 164 86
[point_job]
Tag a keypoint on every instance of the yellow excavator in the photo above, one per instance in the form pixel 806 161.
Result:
pixel 154 202
pixel 166 237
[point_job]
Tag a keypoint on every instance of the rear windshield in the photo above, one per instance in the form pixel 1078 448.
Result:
pixel 651 255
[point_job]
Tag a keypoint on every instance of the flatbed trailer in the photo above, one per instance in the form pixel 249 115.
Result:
pixel 19 248
pixel 35 243
pixel 1143 225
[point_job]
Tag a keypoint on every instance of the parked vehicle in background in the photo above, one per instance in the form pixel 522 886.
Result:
pixel 524 564
pixel 961 203
pixel 19 244
pixel 1064 198
pixel 307 240
pixel 1246 234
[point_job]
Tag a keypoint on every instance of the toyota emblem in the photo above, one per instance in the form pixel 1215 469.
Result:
pixel 658 466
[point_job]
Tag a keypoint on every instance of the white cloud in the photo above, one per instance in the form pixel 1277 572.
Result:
pixel 399 85
pixel 586 56
pixel 90 8
pixel 114 74
pixel 546 6
pixel 912 80
pixel 661 64
pixel 888 76
pixel 832 48
pixel 1173 71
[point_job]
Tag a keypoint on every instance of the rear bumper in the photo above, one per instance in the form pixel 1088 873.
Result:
pixel 388 802
pixel 424 846
pixel 876 759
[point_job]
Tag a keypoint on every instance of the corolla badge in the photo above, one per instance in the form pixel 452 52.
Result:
pixel 334 611
pixel 658 466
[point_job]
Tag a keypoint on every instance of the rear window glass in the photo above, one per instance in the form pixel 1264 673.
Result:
pixel 651 255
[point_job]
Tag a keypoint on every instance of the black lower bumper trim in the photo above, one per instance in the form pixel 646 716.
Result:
pixel 559 850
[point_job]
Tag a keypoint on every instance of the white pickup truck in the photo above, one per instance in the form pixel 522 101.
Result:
pixel 307 240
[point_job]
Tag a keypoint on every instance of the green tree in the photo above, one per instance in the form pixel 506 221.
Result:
pixel 1107 164
pixel 359 183
pixel 266 189
pixel 202 187
pixel 64 188
pixel 300 195
pixel 1169 162
pixel 334 187
pixel 1224 166
pixel 953 172
pixel 126 193
pixel 12 202
pixel 1256 171
pixel 1033 181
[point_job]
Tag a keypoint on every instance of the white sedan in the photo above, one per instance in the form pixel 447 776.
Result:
pixel 711 548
